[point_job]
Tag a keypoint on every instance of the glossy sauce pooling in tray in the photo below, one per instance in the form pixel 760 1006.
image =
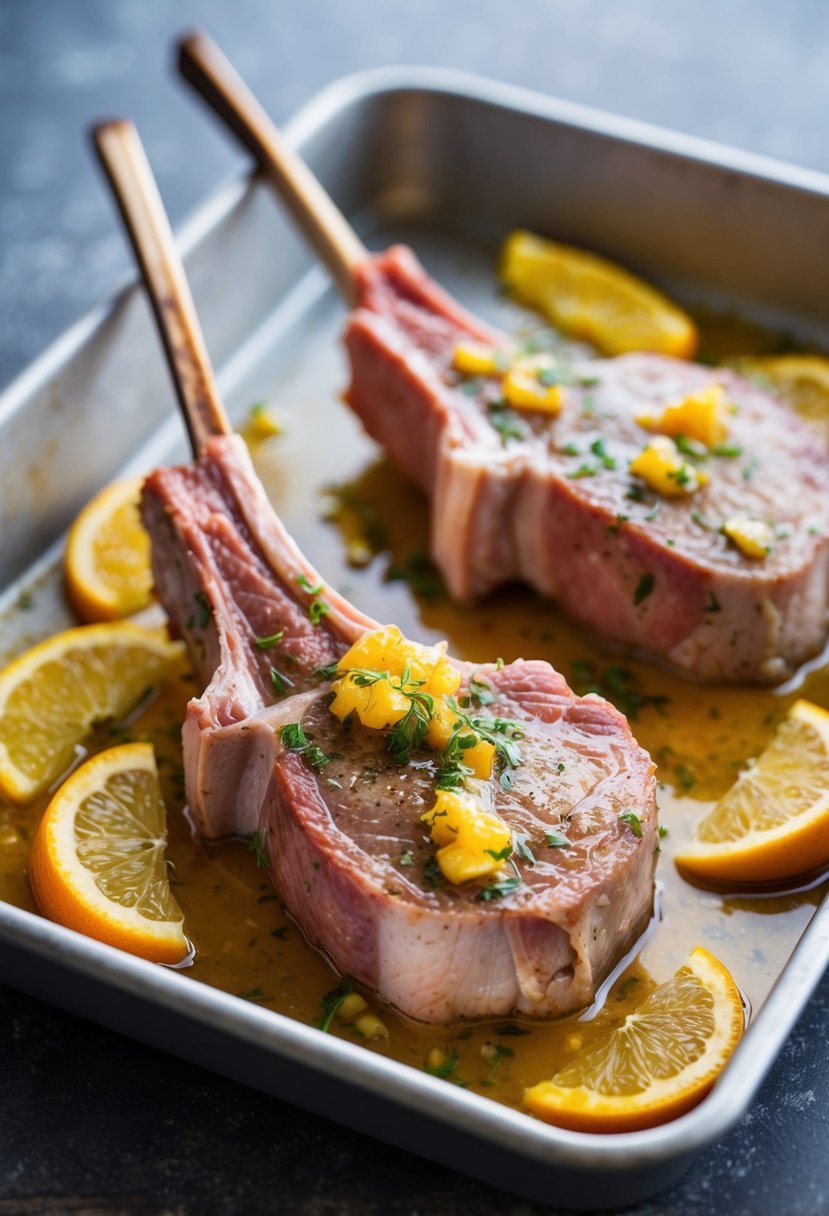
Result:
pixel 699 736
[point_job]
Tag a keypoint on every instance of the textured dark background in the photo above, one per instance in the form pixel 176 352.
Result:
pixel 92 1123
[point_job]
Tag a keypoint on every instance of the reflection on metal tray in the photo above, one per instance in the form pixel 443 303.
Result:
pixel 430 156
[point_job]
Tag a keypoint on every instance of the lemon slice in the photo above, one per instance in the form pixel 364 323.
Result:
pixel 774 821
pixel 659 1063
pixel 107 561
pixel 98 859
pixel 52 696
pixel 801 380
pixel 591 298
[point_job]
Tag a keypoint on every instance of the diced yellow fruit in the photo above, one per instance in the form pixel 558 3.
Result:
pixel 377 705
pixel 592 298
pixel 386 649
pixel 479 758
pixel 700 416
pixel 471 359
pixel 663 469
pixel 264 422
pixel 370 1027
pixel 350 1006
pixel 523 388
pixel 753 537
pixel 467 836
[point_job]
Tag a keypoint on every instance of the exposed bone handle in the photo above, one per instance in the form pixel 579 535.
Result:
pixel 209 72
pixel 122 155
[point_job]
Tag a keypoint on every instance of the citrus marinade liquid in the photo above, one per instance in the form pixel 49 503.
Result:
pixel 700 737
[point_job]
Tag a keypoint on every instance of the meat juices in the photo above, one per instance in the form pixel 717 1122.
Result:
pixel 655 575
pixel 346 849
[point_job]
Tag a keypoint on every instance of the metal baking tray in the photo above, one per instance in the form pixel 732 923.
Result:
pixel 446 153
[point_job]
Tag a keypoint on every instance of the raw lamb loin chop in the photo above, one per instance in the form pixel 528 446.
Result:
pixel 346 848
pixel 551 501
pixel 338 816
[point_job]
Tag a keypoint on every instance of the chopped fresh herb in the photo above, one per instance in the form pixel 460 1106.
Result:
pixel 498 1052
pixel 25 601
pixel 445 1070
pixel 293 737
pixel 522 849
pixel 282 932
pixel 510 1030
pixel 702 522
pixel 505 422
pixel 750 469
pixel 432 874
pixel 254 994
pixel 663 831
pixel 331 1003
pixel 329 671
pixel 271 640
pixel 691 447
pixel 643 588
pixel 588 381
pixel 598 448
pixel 556 841
pixel 502 854
pixel 255 846
pixel 616 684
pixel 637 492
pixel 686 778
pixel 317 609
pixel 571 449
pixel 480 691
pixel 713 604
pixel 584 470
pixel 729 450
pixel 420 572
pixel 333 784
pixel 632 819
pixel 470 387
pixel 279 682
pixel 406 859
pixel 205 611
pixel 268 899
pixel 497 890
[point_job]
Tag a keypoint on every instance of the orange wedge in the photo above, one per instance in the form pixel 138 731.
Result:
pixel 98 860
pixel 801 380
pixel 773 823
pixel 107 561
pixel 660 1062
pixel 591 298
pixel 52 696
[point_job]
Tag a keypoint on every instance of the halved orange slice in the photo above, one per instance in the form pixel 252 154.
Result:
pixel 773 823
pixel 592 298
pixel 660 1062
pixel 107 560
pixel 801 380
pixel 52 696
pixel 98 860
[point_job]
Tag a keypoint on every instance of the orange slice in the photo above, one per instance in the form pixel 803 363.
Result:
pixel 774 821
pixel 52 696
pixel 98 860
pixel 591 298
pixel 660 1062
pixel 801 380
pixel 107 561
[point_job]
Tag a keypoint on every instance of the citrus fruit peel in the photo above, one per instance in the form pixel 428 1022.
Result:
pixel 661 1061
pixel 107 560
pixel 52 695
pixel 98 859
pixel 773 824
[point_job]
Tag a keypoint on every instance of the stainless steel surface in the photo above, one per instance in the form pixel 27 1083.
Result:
pixel 398 149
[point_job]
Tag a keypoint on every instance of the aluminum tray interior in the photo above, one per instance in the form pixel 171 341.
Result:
pixel 446 161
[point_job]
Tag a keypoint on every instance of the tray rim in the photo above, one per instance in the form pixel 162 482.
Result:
pixel 278 1033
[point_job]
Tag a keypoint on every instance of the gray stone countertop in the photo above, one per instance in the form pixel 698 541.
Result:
pixel 96 1124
